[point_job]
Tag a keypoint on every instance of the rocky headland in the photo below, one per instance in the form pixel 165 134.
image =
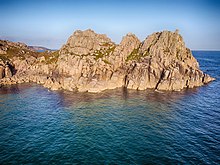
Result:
pixel 39 48
pixel 92 62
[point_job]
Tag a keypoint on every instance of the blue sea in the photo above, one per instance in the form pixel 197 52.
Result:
pixel 39 126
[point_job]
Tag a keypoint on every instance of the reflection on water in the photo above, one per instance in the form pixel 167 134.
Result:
pixel 68 98
pixel 123 94
pixel 12 89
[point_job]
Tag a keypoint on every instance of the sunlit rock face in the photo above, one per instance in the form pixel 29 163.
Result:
pixel 92 62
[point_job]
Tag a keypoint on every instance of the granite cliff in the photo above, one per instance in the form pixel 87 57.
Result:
pixel 92 62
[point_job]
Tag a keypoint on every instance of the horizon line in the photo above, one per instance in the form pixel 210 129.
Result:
pixel 20 41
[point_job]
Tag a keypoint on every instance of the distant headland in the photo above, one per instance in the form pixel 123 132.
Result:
pixel 91 62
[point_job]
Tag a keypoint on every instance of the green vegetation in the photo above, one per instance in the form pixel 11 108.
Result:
pixel 4 58
pixel 11 52
pixel 17 52
pixel 110 49
pixel 102 53
pixel 106 44
pixel 23 52
pixel 107 62
pixel 50 57
pixel 136 55
pixel 98 54
pixel 146 53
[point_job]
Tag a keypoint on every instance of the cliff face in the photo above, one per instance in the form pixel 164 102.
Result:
pixel 92 62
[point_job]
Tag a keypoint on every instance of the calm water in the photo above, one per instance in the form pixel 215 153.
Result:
pixel 38 126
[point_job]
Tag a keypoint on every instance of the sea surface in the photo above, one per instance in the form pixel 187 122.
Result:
pixel 39 126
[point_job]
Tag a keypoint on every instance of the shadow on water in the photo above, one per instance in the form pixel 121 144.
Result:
pixel 70 98
pixel 10 89
pixel 67 98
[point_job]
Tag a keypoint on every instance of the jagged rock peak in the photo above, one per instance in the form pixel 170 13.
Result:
pixel 177 31
pixel 90 33
pixel 130 34
pixel 85 42
pixel 130 38
pixel 128 44
pixel 169 45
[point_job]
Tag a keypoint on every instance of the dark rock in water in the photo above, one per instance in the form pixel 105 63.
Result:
pixel 92 62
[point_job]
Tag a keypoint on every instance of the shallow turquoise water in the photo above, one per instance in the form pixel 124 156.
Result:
pixel 39 126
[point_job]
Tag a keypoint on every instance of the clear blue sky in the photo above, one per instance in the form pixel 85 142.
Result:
pixel 50 22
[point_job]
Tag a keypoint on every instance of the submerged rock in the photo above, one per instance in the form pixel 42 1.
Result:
pixel 92 62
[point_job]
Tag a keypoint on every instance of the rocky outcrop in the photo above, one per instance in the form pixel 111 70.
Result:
pixel 85 43
pixel 165 64
pixel 6 69
pixel 92 62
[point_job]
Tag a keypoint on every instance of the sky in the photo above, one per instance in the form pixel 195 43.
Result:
pixel 49 23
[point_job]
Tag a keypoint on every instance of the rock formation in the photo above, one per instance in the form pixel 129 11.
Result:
pixel 5 69
pixel 92 62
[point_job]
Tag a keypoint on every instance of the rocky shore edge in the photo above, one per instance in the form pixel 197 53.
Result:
pixel 91 62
